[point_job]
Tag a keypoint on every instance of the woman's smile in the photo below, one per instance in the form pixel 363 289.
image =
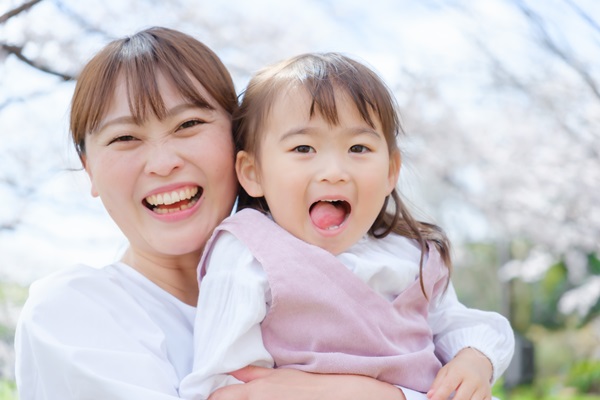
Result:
pixel 173 201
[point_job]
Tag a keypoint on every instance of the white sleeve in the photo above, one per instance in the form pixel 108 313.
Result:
pixel 455 327
pixel 410 394
pixel 231 306
pixel 89 340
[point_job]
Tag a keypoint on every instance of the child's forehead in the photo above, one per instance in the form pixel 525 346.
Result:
pixel 304 96
pixel 297 106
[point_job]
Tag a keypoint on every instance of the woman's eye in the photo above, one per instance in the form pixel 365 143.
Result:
pixel 358 148
pixel 190 123
pixel 303 149
pixel 124 138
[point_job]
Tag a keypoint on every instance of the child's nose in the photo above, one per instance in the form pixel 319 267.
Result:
pixel 333 169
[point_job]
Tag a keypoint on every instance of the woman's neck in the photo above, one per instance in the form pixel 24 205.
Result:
pixel 175 275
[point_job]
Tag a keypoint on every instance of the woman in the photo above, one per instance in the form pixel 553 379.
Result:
pixel 151 122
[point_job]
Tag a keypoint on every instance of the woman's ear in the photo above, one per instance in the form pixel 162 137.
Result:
pixel 394 173
pixel 247 173
pixel 88 170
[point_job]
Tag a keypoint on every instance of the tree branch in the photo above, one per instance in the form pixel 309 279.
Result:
pixel 11 13
pixel 551 45
pixel 585 16
pixel 18 52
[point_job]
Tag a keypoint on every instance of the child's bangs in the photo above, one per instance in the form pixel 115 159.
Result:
pixel 323 79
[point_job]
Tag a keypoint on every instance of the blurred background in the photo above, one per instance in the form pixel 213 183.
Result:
pixel 500 101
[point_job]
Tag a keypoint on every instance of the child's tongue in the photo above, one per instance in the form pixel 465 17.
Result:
pixel 325 214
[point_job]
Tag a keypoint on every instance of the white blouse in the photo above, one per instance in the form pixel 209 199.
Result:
pixel 234 295
pixel 108 333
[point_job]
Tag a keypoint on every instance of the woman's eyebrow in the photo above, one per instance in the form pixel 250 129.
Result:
pixel 129 120
pixel 124 120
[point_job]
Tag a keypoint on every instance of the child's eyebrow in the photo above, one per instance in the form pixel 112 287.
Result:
pixel 296 132
pixel 361 131
pixel 354 131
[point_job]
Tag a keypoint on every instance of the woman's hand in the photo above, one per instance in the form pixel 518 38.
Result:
pixel 289 384
pixel 469 374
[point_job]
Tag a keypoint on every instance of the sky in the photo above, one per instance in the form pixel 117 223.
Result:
pixel 61 224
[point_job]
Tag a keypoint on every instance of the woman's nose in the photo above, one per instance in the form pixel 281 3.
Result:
pixel 162 159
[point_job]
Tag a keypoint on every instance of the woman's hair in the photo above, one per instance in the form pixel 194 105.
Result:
pixel 138 59
pixel 321 75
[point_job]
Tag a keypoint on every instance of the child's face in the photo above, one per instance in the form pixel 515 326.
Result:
pixel 324 184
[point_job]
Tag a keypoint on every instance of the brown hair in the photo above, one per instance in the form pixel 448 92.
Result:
pixel 137 59
pixel 321 75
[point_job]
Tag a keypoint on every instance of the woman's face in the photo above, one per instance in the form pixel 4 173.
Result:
pixel 166 183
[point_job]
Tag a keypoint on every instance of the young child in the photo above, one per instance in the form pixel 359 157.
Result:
pixel 324 269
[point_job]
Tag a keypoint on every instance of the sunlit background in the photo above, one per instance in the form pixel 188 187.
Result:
pixel 500 101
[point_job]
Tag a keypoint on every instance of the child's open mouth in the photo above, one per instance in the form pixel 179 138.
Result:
pixel 329 214
pixel 177 200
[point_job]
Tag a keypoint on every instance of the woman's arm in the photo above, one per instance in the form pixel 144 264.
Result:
pixel 289 384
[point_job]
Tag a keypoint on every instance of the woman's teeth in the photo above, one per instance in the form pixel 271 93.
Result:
pixel 182 207
pixel 171 197
pixel 165 203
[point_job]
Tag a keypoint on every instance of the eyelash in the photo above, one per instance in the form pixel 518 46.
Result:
pixel 190 123
pixel 185 125
pixel 363 148
pixel 307 149
pixel 298 149
pixel 124 138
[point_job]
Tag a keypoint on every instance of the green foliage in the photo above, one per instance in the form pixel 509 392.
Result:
pixel 585 376
pixel 13 293
pixel 8 390
pixel 478 265
pixel 546 295
pixel 544 390
pixel 521 298
pixel 593 264
pixel 537 302
pixel 562 343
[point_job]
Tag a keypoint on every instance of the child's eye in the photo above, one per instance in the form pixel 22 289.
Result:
pixel 303 149
pixel 123 138
pixel 359 148
pixel 190 123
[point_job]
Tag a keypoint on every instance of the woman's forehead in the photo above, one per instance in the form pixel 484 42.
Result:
pixel 140 100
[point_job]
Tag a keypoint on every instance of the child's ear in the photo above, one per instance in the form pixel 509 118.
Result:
pixel 247 173
pixel 394 174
